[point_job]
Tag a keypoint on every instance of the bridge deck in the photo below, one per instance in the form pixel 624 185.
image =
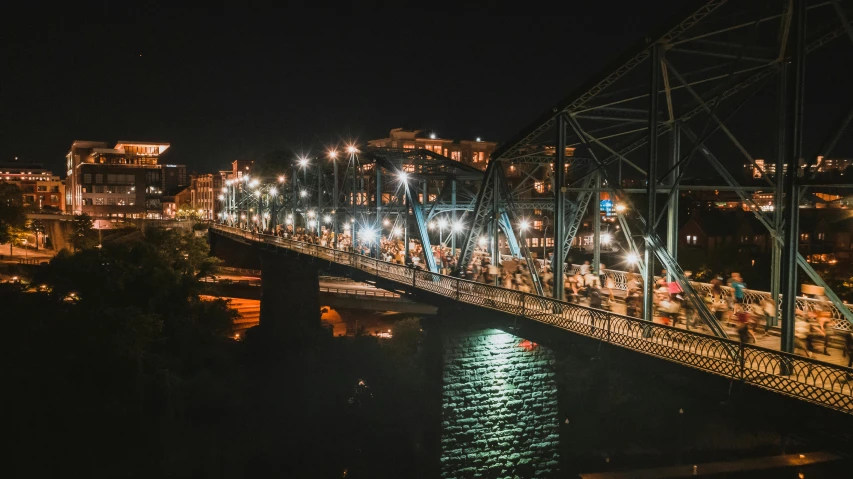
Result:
pixel 813 381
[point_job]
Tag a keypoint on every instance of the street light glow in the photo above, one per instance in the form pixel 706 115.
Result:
pixel 221 197
pixel 333 154
pixel 620 208
pixel 311 223
pixel 442 223
pixel 458 226
pixel 273 191
pixel 431 225
pixel 605 238
pixel 281 179
pixel 368 235
pixel 303 162
pixel 432 136
pixel 631 258
pixel 311 214
pixel 327 219
pixel 351 149
pixel 524 225
pixel 303 193
pixel 224 189
pixel 254 183
pixel 482 241
pixel 386 222
pixel 403 176
pixel 397 231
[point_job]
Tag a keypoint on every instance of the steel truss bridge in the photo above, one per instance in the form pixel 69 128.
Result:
pixel 788 374
pixel 726 81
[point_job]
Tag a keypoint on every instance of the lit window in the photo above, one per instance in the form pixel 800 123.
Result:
pixel 539 186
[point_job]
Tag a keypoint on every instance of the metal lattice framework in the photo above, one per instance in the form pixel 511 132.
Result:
pixel 673 101
pixel 717 88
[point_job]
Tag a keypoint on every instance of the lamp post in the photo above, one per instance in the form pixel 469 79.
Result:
pixel 333 157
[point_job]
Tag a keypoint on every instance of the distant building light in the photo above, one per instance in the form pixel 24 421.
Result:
pixel 432 136
pixel 478 139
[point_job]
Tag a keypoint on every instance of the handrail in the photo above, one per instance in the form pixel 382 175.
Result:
pixel 788 374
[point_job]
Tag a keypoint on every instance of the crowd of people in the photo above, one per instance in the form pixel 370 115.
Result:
pixel 813 328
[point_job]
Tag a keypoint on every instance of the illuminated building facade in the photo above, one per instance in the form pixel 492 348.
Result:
pixel 125 181
pixel 40 189
pixel 471 152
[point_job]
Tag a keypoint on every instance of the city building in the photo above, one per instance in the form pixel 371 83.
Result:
pixel 471 152
pixel 204 194
pixel 174 178
pixel 40 188
pixel 125 181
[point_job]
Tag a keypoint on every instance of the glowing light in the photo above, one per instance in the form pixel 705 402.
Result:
pixel 386 222
pixel 311 223
pixel 397 232
pixel 478 139
pixel 327 219
pixel 442 223
pixel 482 241
pixel 273 191
pixel 351 149
pixel 631 258
pixel 281 179
pixel 524 225
pixel 288 221
pixel 458 226
pixel 403 176
pixel 224 190
pixel 254 183
pixel 221 197
pixel 431 225
pixel 303 162
pixel 368 235
pixel 432 136
pixel 310 214
pixel 303 193
pixel 333 154
pixel 258 193
pixel 605 238
pixel 620 208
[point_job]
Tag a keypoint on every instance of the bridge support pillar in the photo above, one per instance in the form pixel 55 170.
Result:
pixel 290 297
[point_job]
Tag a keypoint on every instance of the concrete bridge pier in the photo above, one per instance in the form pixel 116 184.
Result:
pixel 290 298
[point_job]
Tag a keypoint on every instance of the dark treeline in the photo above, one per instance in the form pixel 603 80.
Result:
pixel 115 367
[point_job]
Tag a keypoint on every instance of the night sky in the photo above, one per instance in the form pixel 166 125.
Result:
pixel 227 82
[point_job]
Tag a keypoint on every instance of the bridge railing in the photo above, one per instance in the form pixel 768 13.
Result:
pixel 799 377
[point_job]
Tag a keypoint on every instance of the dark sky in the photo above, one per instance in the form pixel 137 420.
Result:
pixel 228 81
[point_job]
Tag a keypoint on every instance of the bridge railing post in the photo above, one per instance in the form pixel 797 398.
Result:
pixel 457 289
pixel 523 305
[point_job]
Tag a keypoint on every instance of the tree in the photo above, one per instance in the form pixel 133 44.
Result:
pixel 12 217
pixel 82 234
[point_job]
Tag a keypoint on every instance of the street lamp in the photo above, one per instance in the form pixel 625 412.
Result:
pixel 333 156
pixel 523 225
pixel 605 238
pixel 281 178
